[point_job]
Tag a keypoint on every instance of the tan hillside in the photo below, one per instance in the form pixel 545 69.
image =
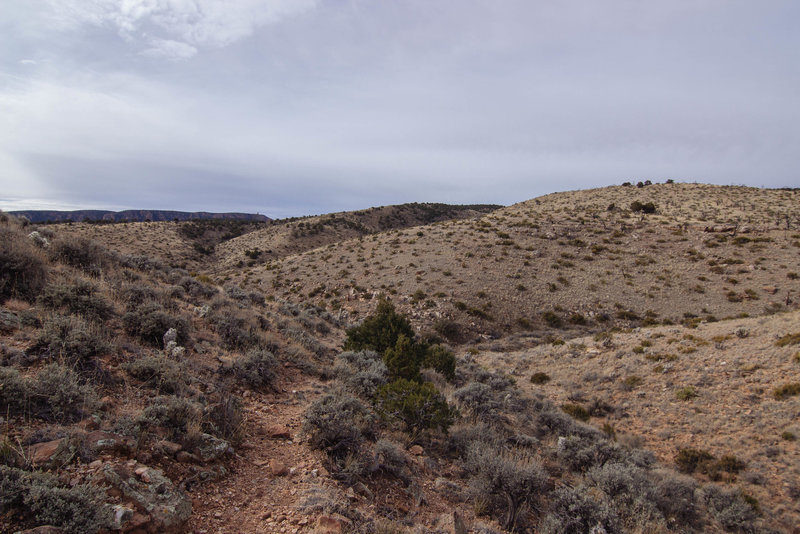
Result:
pixel 708 252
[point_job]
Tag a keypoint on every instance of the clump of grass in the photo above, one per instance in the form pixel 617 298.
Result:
pixel 686 393
pixel 540 378
pixel 788 339
pixel 786 390
pixel 576 411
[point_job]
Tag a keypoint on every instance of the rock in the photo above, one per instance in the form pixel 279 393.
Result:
pixel 46 529
pixel 168 507
pixel 279 432
pixel 278 469
pixel 51 454
pixel 122 515
pixel 169 448
pixel 211 448
pixel 99 441
pixel 770 289
pixel 332 524
pixel 416 450
pixel 187 458
pixel 170 336
pixel 9 321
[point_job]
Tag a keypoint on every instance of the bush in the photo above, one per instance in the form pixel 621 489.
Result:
pixel 235 331
pixel 361 372
pixel 479 400
pixel 13 391
pixel 80 298
pixel 404 359
pixel 56 394
pixel 418 406
pixel 787 390
pixel 73 341
pixel 510 481
pixel 159 373
pixel 691 460
pixel 225 418
pixel 150 322
pixel 175 414
pixel 552 319
pixel 23 272
pixel 576 411
pixel 540 378
pixel 731 509
pixel 76 510
pixel 380 331
pixel 81 253
pixel 392 459
pixel 686 393
pixel 256 368
pixel 439 358
pixel 197 289
pixel 574 511
pixel 339 423
pixel 581 453
pixel 647 207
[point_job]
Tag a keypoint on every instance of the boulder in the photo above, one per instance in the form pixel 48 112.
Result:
pixel 153 493
pixel 51 454
pixel 211 448
pixel 279 432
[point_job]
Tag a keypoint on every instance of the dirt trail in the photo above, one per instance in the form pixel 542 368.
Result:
pixel 269 473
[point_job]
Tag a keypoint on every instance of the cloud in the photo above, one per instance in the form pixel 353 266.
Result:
pixel 175 29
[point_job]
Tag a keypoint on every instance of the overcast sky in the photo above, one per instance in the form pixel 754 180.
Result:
pixel 293 107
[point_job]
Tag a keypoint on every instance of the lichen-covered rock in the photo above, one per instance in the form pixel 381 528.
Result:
pixel 98 441
pixel 211 448
pixel 168 507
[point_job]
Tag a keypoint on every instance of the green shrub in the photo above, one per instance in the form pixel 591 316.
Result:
pixel 418 406
pixel 647 207
pixel 786 390
pixel 552 319
pixel 404 359
pixel 686 393
pixel 439 358
pixel 788 339
pixel 159 373
pixel 150 322
pixel 23 272
pixel 540 378
pixel 577 318
pixel 256 368
pixel 691 460
pixel 77 510
pixel 80 298
pixel 576 411
pixel 380 331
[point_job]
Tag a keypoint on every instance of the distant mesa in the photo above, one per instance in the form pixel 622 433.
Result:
pixel 44 216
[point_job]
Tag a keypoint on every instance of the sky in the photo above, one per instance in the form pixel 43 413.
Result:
pixel 298 107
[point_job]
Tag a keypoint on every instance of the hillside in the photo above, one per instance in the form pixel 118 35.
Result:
pixel 622 359
pixel 583 257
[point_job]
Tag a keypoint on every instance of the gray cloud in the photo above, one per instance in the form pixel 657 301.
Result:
pixel 292 107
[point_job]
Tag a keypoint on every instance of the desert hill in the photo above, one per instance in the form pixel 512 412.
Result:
pixel 623 359
pixel 575 261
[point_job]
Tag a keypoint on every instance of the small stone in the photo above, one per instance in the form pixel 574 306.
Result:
pixel 97 464
pixel 217 515
pixel 416 450
pixel 278 432
pixel 332 524
pixel 278 469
